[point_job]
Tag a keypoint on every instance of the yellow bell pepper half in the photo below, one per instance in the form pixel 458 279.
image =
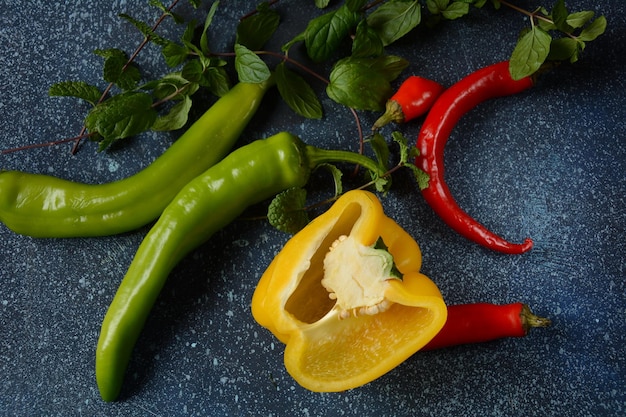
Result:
pixel 331 296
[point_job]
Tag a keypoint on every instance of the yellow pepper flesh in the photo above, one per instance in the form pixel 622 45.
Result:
pixel 331 348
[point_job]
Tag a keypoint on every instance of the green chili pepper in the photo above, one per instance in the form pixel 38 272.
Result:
pixel 248 175
pixel 46 206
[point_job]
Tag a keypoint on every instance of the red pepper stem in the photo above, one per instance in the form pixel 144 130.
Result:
pixel 530 320
pixel 393 113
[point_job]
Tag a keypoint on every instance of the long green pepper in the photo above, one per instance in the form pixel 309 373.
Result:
pixel 248 175
pixel 45 206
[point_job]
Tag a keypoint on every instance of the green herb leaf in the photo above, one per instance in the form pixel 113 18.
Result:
pixel 420 176
pixel 324 34
pixel 145 29
pixel 564 49
pixel 167 87
pixel 321 4
pixel 78 89
pixel 366 42
pixel 165 10
pixel 176 118
pixel 595 29
pixel 250 68
pixel 389 66
pixel 337 175
pixel 204 42
pixel 117 70
pixel 174 54
pixel 357 83
pixel 437 6
pixel 579 19
pixel 382 184
pixel 355 5
pixel 254 31
pixel 394 19
pixel 122 116
pixel 530 52
pixel 286 211
pixel 216 80
pixel 297 93
pixel 559 17
pixel 455 10
pixel 412 152
pixel 381 150
pixel 402 142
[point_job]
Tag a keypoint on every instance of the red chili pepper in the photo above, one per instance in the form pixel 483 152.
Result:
pixel 489 82
pixel 483 322
pixel 413 99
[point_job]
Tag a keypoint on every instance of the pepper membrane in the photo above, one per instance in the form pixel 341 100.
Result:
pixel 345 318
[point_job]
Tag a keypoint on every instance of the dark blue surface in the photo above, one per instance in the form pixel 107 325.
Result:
pixel 549 163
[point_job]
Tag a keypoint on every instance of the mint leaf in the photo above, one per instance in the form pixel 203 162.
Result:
pixel 437 6
pixel 579 19
pixel 389 66
pixel 559 17
pixel 122 116
pixel 216 80
pixel 250 68
pixel 297 93
pixel 176 118
pixel 145 29
pixel 118 70
pixel 78 89
pixel 530 52
pixel 381 150
pixel 337 175
pixel 254 31
pixel 286 211
pixel 394 19
pixel 174 54
pixel 366 42
pixel 169 85
pixel 564 49
pixel 420 176
pixel 358 86
pixel 595 29
pixel 455 10
pixel 325 33
pixel 402 142
pixel 355 5
pixel 164 9
pixel 204 42
pixel 407 152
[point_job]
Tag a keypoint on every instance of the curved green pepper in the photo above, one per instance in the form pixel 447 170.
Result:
pixel 248 175
pixel 45 206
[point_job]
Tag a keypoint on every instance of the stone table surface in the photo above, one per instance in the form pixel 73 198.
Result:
pixel 549 163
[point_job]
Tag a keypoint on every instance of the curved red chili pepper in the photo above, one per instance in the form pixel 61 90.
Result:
pixel 484 322
pixel 489 82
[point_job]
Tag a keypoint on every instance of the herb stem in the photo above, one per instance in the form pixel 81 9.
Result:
pixel 531 15
pixel 48 144
pixel 131 59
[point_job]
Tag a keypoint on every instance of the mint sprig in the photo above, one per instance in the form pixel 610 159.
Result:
pixel 360 80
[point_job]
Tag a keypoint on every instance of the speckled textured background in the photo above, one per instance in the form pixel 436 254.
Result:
pixel 549 163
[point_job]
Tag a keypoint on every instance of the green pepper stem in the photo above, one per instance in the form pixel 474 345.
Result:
pixel 317 156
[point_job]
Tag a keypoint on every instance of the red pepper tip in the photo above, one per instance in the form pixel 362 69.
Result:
pixel 527 245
